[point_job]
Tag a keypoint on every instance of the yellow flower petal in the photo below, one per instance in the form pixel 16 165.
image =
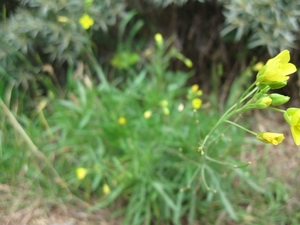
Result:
pixel 159 39
pixel 195 88
pixel 122 120
pixel 258 66
pixel 275 72
pixel 196 103
pixel 288 68
pixel 283 56
pixel 81 173
pixel 272 138
pixel 147 114
pixel 296 134
pixel 86 21
pixel 188 63
pixel 106 189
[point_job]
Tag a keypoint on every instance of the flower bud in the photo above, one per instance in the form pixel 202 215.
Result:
pixel 272 138
pixel 278 99
pixel 158 39
pixel 278 85
pixel 263 102
pixel 81 173
pixel 188 63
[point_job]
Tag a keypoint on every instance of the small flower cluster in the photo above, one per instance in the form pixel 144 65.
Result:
pixel 194 95
pixel 274 75
pixel 82 172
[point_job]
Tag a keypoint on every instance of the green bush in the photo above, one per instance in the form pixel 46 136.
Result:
pixel 268 23
pixel 165 3
pixel 137 144
pixel 49 31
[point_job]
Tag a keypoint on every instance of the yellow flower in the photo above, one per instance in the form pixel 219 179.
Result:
pixel 194 92
pixel 158 39
pixel 263 102
pixel 81 173
pixel 188 63
pixel 199 93
pixel 196 103
pixel 195 88
pixel 272 138
pixel 86 21
pixel 147 114
pixel 258 66
pixel 106 189
pixel 122 120
pixel 164 103
pixel 275 72
pixel 292 116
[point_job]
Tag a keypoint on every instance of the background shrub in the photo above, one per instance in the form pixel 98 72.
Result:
pixel 270 24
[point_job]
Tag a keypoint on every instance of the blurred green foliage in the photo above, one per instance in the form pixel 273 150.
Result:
pixel 42 32
pixel 165 3
pixel 150 161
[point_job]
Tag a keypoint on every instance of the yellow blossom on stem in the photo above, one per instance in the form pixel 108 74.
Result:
pixel 188 63
pixel 258 66
pixel 106 189
pixel 196 103
pixel 81 173
pixel 272 138
pixel 159 39
pixel 122 120
pixel 263 102
pixel 195 88
pixel 86 21
pixel 292 116
pixel 147 114
pixel 275 72
pixel 194 92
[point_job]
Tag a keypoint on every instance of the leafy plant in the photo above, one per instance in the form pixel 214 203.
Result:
pixel 47 32
pixel 274 24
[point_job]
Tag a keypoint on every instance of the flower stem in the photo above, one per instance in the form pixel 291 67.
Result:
pixel 230 112
pixel 241 127
pixel 276 109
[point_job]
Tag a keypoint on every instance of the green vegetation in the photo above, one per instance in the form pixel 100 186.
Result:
pixel 126 132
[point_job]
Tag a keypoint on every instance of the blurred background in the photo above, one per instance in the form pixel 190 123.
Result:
pixel 97 112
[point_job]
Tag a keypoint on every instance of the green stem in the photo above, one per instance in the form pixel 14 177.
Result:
pixel 241 127
pixel 204 179
pixel 34 149
pixel 98 70
pixel 230 113
pixel 276 109
pixel 217 161
pixel 194 175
